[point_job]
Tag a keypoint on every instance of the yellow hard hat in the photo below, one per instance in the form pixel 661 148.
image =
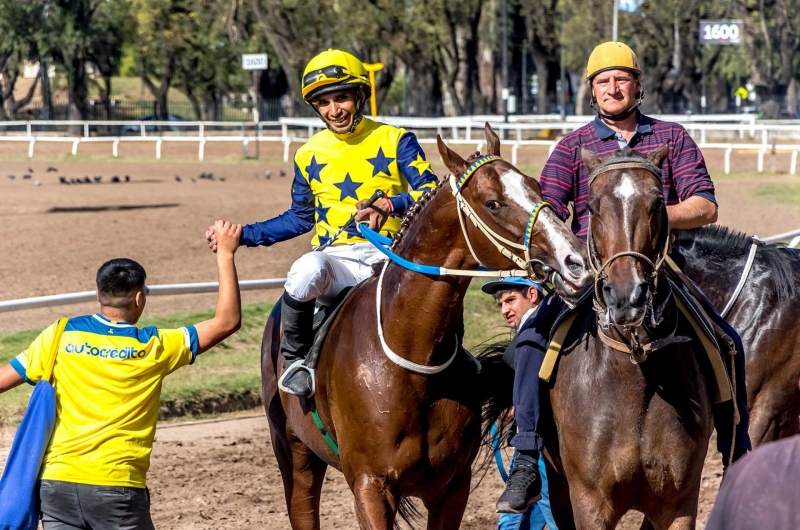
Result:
pixel 334 70
pixel 612 56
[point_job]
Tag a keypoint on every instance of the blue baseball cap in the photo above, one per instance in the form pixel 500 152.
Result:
pixel 504 283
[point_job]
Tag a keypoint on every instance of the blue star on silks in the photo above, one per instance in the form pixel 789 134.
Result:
pixel 313 170
pixel 380 164
pixel 352 231
pixel 348 187
pixel 324 239
pixel 322 213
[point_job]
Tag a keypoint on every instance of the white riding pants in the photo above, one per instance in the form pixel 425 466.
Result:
pixel 323 275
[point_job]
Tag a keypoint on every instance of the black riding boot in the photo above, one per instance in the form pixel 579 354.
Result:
pixel 297 319
pixel 524 486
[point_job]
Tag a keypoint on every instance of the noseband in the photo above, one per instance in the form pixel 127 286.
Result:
pixel 502 244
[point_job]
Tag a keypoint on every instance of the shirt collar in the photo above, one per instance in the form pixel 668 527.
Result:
pixel 528 314
pixel 605 132
pixel 103 320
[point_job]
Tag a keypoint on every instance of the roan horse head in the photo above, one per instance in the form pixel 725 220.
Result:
pixel 510 204
pixel 628 231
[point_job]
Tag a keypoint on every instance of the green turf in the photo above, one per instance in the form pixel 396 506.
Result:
pixel 233 366
pixel 775 193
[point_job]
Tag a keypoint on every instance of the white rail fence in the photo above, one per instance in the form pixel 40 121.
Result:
pixel 244 285
pixel 763 137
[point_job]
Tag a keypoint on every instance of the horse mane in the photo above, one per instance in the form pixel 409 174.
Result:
pixel 729 244
pixel 413 212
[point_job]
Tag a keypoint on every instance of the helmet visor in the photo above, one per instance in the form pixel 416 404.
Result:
pixel 329 72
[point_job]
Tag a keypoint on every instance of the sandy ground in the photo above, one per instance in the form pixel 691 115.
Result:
pixel 221 474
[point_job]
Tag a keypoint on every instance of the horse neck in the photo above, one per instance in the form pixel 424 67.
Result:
pixel 716 278
pixel 419 311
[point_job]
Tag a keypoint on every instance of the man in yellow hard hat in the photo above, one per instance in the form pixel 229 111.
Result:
pixel 334 173
pixel 614 76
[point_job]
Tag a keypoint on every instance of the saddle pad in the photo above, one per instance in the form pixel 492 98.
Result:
pixel 722 387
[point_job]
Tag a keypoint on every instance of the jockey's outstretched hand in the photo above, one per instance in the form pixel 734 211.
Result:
pixel 227 236
pixel 211 238
pixel 377 214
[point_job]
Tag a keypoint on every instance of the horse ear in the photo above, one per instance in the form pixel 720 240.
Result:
pixel 590 159
pixel 658 156
pixel 451 159
pixel 492 140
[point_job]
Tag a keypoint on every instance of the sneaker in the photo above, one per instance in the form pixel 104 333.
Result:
pixel 524 486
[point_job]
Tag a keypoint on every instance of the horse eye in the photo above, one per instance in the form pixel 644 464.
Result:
pixel 493 205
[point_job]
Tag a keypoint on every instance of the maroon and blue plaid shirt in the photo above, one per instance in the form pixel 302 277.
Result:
pixel 565 178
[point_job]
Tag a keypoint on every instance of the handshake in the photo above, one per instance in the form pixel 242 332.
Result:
pixel 223 237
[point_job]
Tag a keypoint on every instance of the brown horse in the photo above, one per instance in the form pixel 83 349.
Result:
pixel 765 314
pixel 402 434
pixel 631 430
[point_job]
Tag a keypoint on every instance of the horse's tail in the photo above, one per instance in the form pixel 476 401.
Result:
pixel 409 512
pixel 497 391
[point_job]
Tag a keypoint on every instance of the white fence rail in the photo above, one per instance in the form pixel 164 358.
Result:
pixel 287 131
pixel 154 290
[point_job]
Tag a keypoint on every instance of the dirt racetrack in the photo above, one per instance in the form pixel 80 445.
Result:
pixel 223 474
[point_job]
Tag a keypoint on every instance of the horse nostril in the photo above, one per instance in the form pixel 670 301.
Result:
pixel 609 295
pixel 575 265
pixel 639 294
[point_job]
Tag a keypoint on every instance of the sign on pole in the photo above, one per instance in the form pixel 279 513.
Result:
pixel 726 32
pixel 254 61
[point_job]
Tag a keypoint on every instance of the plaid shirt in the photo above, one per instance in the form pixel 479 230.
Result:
pixel 565 178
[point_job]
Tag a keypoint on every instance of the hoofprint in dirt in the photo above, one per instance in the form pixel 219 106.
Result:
pixel 221 474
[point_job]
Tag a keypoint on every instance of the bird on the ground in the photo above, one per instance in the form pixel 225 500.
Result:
pixel 74 181
pixel 63 180
pixel 52 169
pixel 30 170
pixel 177 178
pixel 115 179
pixel 282 173
pixel 98 178
pixel 268 174
pixel 26 177
pixel 87 180
pixel 223 179
pixel 37 183
pixel 127 178
pixel 193 179
pixel 12 177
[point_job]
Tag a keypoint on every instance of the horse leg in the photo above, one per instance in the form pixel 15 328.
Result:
pixel 592 509
pixel 376 505
pixel 303 473
pixel 446 511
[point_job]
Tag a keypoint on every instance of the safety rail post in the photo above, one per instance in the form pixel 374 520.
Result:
pixel 793 164
pixel 75 146
pixel 86 129
pixel 703 135
pixel 454 130
pixel 30 147
pixel 158 148
pixel 514 152
pixel 115 148
pixel 141 130
pixel 728 152
pixel 202 147
pixel 761 153
pixel 202 130
pixel 286 144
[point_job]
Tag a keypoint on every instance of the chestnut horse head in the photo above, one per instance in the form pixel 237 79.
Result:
pixel 628 230
pixel 509 203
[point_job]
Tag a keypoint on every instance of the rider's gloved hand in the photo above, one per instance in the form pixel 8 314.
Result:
pixel 377 214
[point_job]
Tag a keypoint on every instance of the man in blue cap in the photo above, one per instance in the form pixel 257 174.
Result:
pixel 519 299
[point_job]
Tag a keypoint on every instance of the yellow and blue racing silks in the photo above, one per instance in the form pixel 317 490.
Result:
pixel 107 378
pixel 332 172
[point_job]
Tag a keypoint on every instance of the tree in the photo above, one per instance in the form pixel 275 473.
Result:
pixel 18 43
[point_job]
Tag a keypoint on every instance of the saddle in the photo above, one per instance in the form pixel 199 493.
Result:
pixel 323 319
pixel 710 336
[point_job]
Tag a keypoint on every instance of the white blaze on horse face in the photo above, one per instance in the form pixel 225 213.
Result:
pixel 625 191
pixel 556 231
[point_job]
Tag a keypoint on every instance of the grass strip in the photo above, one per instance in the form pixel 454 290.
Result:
pixel 228 376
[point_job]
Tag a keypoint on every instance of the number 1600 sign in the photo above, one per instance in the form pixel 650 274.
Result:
pixel 713 32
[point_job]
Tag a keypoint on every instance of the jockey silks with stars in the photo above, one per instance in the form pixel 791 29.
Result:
pixel 335 172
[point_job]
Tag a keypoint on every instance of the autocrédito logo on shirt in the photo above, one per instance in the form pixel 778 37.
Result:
pixel 129 352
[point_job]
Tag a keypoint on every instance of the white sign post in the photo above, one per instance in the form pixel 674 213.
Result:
pixel 257 62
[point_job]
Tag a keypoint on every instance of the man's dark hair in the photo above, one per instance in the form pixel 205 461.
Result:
pixel 118 280
pixel 521 289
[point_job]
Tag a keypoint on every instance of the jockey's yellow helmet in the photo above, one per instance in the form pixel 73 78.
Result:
pixel 334 70
pixel 612 56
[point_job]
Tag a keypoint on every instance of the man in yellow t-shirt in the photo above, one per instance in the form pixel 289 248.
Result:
pixel 107 379
pixel 335 172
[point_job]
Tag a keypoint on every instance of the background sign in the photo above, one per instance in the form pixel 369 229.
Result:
pixel 721 32
pixel 254 61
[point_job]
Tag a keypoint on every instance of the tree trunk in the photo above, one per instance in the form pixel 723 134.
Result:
pixel 582 99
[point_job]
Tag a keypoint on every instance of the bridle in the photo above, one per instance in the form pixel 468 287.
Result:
pixel 638 352
pixel 503 245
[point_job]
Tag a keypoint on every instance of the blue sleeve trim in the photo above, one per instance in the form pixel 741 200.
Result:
pixel 400 203
pixel 297 220
pixel 194 342
pixel 408 149
pixel 17 366
pixel 706 194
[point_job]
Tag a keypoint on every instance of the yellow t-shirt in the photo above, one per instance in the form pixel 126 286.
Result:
pixel 107 379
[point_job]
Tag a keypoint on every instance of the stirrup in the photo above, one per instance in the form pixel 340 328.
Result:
pixel 298 366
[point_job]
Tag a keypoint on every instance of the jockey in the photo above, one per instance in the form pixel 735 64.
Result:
pixel 613 74
pixel 334 173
